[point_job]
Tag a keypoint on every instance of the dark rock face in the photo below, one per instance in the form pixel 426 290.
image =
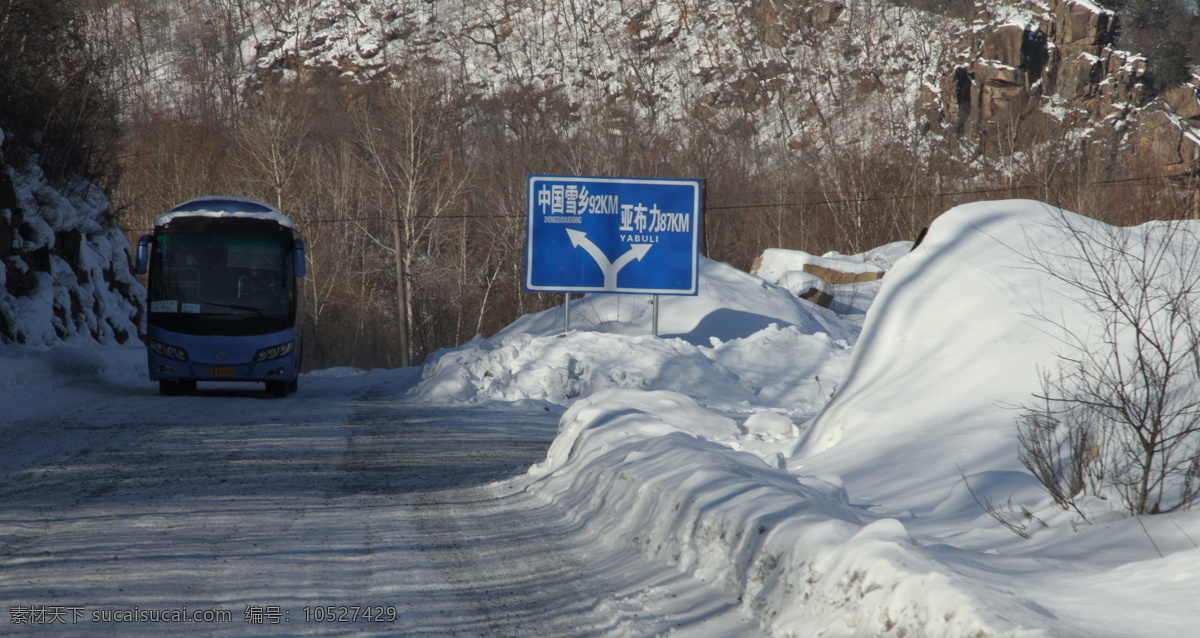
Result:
pixel 1067 62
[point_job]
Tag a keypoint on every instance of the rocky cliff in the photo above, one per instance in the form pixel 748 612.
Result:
pixel 816 74
pixel 1059 72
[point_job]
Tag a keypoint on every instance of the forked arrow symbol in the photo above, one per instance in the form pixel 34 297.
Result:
pixel 609 268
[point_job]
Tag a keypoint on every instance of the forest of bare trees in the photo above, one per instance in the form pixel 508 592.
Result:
pixel 52 92
pixel 409 188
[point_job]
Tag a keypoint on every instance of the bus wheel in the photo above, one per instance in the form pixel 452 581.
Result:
pixel 277 388
pixel 167 388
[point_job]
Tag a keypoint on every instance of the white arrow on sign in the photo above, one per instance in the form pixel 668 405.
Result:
pixel 609 268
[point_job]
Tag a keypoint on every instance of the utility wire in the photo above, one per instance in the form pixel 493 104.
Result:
pixel 791 204
pixel 863 200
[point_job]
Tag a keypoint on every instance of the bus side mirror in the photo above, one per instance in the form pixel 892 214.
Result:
pixel 298 255
pixel 143 254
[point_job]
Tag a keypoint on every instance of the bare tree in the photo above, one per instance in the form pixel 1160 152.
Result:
pixel 53 89
pixel 273 137
pixel 1119 413
pixel 406 136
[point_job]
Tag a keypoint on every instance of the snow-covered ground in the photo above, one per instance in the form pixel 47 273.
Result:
pixel 343 510
pixel 825 467
pixel 860 514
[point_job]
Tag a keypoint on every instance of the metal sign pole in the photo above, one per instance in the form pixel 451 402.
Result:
pixel 655 314
pixel 566 312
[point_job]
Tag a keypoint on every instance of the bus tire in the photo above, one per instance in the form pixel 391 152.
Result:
pixel 277 388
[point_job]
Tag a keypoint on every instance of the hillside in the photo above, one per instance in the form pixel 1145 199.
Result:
pixel 816 123
pixel 806 73
pixel 399 133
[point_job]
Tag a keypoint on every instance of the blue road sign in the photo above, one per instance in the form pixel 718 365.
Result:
pixel 599 234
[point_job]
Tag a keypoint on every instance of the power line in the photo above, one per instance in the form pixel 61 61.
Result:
pixel 864 200
pixel 793 204
pixel 820 192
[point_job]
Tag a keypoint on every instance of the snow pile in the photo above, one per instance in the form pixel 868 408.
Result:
pixel 799 272
pixel 782 369
pixel 652 475
pixel 731 304
pixel 869 521
pixel 949 346
pixel 739 346
pixel 65 272
pixel 22 368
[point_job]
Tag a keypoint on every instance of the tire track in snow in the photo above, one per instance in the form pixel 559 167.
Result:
pixel 114 498
pixel 516 565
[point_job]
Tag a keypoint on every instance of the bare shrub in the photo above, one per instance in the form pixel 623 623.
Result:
pixel 1056 447
pixel 1119 413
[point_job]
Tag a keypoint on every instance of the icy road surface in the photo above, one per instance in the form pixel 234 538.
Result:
pixel 339 510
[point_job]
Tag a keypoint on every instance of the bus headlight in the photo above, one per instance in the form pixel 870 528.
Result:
pixel 274 352
pixel 171 352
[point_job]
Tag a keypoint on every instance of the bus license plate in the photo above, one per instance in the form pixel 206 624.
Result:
pixel 220 372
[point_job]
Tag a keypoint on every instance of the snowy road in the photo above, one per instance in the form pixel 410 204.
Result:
pixel 256 516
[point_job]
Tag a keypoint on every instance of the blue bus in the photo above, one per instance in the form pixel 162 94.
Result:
pixel 223 295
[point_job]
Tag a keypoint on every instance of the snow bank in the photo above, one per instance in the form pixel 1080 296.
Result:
pixel 23 367
pixel 740 346
pixel 949 348
pixel 869 521
pixel 782 369
pixel 731 304
pixel 653 471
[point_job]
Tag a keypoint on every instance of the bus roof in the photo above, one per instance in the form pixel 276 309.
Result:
pixel 225 207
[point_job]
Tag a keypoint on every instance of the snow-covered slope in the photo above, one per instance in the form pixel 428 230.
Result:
pixel 819 75
pixel 780 66
pixel 948 349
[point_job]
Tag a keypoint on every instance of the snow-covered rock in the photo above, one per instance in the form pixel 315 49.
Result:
pixel 64 263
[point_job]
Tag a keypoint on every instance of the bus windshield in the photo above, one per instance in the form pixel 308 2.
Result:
pixel 212 283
